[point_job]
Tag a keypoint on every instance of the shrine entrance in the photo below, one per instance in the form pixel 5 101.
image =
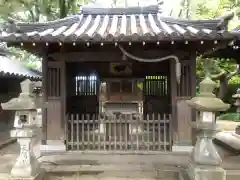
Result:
pixel 117 111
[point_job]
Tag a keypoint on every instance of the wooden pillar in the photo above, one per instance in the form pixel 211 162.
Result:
pixel 63 97
pixel 53 115
pixel 44 96
pixel 193 72
pixel 173 84
pixel 184 116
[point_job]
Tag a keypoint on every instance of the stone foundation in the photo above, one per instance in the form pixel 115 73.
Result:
pixel 198 172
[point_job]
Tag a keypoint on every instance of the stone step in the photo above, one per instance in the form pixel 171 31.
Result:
pixel 230 175
pixel 233 175
pixel 113 175
pixel 109 167
pixel 112 171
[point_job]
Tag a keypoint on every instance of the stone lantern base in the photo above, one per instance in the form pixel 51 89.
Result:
pixel 203 172
pixel 26 166
pixel 39 176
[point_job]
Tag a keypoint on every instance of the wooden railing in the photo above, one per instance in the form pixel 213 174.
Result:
pixel 119 132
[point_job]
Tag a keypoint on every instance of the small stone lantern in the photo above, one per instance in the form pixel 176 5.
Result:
pixel 237 98
pixel 26 165
pixel 205 160
pixel 237 104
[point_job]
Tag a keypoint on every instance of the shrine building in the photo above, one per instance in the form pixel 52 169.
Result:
pixel 116 79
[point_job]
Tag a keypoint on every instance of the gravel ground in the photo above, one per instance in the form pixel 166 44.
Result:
pixel 10 149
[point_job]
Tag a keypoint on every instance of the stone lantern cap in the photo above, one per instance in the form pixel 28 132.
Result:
pixel 207 101
pixel 25 101
pixel 237 95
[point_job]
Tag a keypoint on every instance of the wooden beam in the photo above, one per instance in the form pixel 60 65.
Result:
pixel 110 56
pixel 193 75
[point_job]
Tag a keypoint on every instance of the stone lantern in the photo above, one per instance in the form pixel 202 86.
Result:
pixel 237 104
pixel 26 166
pixel 237 100
pixel 205 160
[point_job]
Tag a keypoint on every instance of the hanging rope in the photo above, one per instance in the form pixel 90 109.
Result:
pixel 177 66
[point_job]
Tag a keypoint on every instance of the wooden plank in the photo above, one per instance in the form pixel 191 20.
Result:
pixel 105 56
pixel 184 114
pixel 55 131
pixel 54 119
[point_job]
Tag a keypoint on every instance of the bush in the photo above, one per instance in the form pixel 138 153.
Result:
pixel 230 117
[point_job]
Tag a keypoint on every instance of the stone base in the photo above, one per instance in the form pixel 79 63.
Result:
pixel 26 170
pixel 183 148
pixel 53 146
pixel 200 172
pixel 39 176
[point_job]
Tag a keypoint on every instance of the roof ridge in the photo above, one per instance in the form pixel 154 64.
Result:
pixel 153 9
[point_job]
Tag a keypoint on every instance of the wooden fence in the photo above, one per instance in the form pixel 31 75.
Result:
pixel 119 132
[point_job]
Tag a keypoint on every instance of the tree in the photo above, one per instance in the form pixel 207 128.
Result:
pixel 221 70
pixel 36 11
pixel 40 10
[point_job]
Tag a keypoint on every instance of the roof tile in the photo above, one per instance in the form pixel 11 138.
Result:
pixel 116 27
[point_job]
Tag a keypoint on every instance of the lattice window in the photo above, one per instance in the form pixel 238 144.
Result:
pixel 86 85
pixel 156 85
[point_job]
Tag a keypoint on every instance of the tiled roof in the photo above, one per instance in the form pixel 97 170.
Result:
pixel 236 32
pixel 116 24
pixel 232 51
pixel 13 68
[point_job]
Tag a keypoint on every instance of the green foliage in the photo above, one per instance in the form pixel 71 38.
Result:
pixel 40 10
pixel 230 117
pixel 235 80
pixel 27 59
pixel 36 11
pixel 232 89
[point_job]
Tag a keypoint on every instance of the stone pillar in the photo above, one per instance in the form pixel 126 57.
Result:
pixel 38 120
pixel 205 160
pixel 27 165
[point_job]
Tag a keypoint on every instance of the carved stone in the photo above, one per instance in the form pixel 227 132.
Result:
pixel 25 101
pixel 205 160
pixel 198 172
pixel 26 132
pixel 204 152
pixel 237 104
pixel 26 164
pixel 237 130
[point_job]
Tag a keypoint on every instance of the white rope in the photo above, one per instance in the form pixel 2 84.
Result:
pixel 177 65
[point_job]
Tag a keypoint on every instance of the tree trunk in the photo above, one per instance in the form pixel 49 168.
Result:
pixel 223 87
pixel 63 9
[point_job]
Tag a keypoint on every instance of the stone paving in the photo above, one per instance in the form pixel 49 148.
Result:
pixel 74 165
